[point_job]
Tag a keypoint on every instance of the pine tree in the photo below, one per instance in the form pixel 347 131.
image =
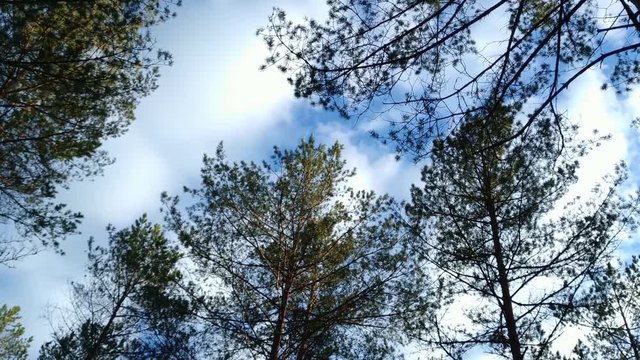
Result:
pixel 71 75
pixel 423 65
pixel 130 307
pixel 300 266
pixel 610 313
pixel 509 259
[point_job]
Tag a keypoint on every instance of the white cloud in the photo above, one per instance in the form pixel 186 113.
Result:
pixel 594 109
pixel 128 187
pixel 376 166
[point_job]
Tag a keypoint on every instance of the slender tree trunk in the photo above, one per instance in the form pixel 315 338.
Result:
pixel 282 313
pixel 303 349
pixel 507 305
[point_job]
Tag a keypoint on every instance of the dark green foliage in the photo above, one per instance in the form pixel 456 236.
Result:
pixel 491 224
pixel 71 74
pixel 420 58
pixel 299 265
pixel 610 314
pixel 130 307
pixel 13 344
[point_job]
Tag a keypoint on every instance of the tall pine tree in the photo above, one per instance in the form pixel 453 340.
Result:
pixel 490 223
pixel 300 265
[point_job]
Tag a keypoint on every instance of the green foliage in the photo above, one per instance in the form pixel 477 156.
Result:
pixel 13 344
pixel 610 313
pixel 489 223
pixel 70 76
pixel 431 63
pixel 300 265
pixel 130 308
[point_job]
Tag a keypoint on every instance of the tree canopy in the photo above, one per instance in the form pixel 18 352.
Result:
pixel 70 76
pixel 435 62
pixel 297 265
pixel 610 313
pixel 130 306
pixel 282 259
pixel 511 257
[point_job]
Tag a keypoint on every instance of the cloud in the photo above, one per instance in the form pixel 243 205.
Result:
pixel 128 186
pixel 376 165
pixel 595 109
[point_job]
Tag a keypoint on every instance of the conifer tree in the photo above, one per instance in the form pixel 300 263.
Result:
pixel 300 266
pixel 510 257
pixel 610 313
pixel 424 65
pixel 71 75
pixel 130 307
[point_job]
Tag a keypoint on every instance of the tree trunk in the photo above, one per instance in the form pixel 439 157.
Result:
pixel 282 313
pixel 507 306
pixel 303 349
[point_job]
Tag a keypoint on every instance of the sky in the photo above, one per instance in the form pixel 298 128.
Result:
pixel 214 92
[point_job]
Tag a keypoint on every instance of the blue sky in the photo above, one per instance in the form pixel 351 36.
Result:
pixel 214 92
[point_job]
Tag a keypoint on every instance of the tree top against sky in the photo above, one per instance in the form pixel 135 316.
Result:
pixel 424 65
pixel 71 75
